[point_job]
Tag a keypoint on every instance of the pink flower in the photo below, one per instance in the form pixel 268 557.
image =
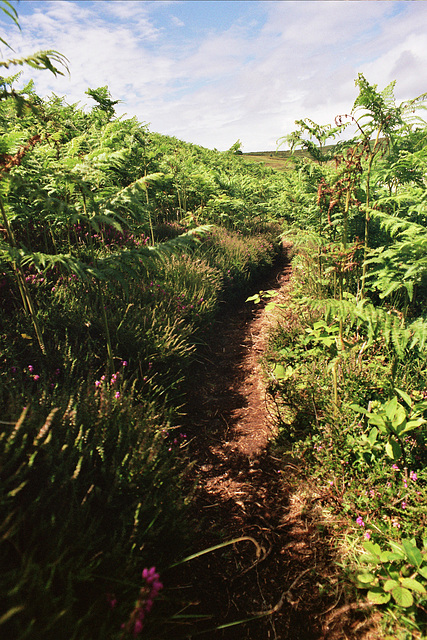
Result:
pixel 367 535
pixel 360 522
pixel 413 476
pixel 112 600
pixel 117 395
pixel 137 628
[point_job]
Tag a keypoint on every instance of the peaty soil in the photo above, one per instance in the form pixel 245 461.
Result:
pixel 282 578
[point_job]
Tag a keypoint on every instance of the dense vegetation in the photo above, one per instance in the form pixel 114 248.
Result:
pixel 348 360
pixel 117 247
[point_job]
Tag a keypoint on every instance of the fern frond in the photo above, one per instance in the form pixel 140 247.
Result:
pixel 41 60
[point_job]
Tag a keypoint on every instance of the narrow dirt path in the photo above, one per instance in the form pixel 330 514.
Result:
pixel 243 489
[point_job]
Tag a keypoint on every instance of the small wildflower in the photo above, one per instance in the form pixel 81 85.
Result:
pixel 124 363
pixel 97 383
pixel 36 377
pixel 367 535
pixel 413 476
pixel 112 600
pixel 360 522
pixel 30 368
pixel 138 627
pixel 403 505
pixel 117 395
pixel 395 467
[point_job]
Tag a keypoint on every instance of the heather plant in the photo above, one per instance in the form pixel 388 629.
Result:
pixel 86 486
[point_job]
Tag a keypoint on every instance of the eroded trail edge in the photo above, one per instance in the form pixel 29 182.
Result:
pixel 243 488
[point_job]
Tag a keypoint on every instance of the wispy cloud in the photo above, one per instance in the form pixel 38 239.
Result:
pixel 247 74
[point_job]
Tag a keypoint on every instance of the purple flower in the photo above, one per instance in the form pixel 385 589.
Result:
pixel 117 395
pixel 360 522
pixel 413 476
pixel 30 368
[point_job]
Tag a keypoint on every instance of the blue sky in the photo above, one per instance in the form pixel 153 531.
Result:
pixel 212 72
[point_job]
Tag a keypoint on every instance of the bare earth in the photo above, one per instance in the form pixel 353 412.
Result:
pixel 287 570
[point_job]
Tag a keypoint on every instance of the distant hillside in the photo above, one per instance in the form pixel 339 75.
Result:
pixel 278 159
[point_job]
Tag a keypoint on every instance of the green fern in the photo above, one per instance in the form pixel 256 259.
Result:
pixel 380 325
pixel 42 60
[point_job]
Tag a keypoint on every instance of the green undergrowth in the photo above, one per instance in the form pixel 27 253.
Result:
pixel 352 407
pixel 92 455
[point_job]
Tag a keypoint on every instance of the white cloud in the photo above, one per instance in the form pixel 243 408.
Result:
pixel 177 22
pixel 248 80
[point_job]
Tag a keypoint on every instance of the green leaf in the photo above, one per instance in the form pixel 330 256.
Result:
pixel 414 585
pixel 393 450
pixel 374 552
pixel 423 571
pixel 270 305
pixel 356 407
pixel 390 556
pixel 390 407
pixel 397 548
pixel 378 420
pixel 403 597
pixel 412 552
pixel 399 418
pixel 378 596
pixel 404 397
pixel 373 435
pixel 390 584
pixel 279 372
pixel 366 578
pixel 413 424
